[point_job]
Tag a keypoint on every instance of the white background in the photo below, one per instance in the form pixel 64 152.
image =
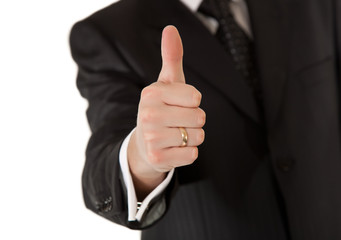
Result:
pixel 43 130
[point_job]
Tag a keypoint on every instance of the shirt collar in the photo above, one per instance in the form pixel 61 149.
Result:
pixel 193 5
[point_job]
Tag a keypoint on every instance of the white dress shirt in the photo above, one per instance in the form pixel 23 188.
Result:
pixel 240 13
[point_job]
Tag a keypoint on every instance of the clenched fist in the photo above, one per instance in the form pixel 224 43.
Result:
pixel 170 103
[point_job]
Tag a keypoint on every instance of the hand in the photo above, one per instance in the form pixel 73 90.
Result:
pixel 165 105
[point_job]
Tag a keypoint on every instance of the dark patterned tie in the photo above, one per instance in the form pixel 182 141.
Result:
pixel 234 41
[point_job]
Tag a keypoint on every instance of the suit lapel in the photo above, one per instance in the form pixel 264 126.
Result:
pixel 270 27
pixel 204 54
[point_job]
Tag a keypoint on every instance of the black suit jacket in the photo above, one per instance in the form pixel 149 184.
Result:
pixel 261 174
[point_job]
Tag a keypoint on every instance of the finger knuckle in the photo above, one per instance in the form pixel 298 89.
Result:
pixel 150 135
pixel 147 115
pixel 201 116
pixel 201 136
pixel 148 149
pixel 149 145
pixel 145 92
pixel 150 91
pixel 154 157
pixel 196 96
pixel 193 155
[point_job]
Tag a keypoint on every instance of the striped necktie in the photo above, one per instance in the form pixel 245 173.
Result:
pixel 234 40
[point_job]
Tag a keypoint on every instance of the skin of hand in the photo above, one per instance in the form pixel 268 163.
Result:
pixel 170 103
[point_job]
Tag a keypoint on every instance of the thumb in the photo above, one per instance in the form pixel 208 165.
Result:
pixel 171 52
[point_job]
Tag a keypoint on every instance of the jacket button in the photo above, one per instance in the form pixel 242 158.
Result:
pixel 285 163
pixel 105 206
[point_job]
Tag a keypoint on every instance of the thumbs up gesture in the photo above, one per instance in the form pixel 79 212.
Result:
pixel 168 111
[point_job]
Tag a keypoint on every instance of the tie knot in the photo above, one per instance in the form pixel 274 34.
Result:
pixel 215 8
pixel 209 8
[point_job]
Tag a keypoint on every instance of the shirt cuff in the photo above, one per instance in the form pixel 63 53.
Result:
pixel 133 212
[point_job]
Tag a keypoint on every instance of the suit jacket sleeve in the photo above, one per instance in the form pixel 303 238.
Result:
pixel 112 89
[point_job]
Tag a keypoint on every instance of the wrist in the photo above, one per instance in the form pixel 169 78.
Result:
pixel 144 177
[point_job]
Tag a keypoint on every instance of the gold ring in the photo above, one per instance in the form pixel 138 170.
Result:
pixel 184 137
